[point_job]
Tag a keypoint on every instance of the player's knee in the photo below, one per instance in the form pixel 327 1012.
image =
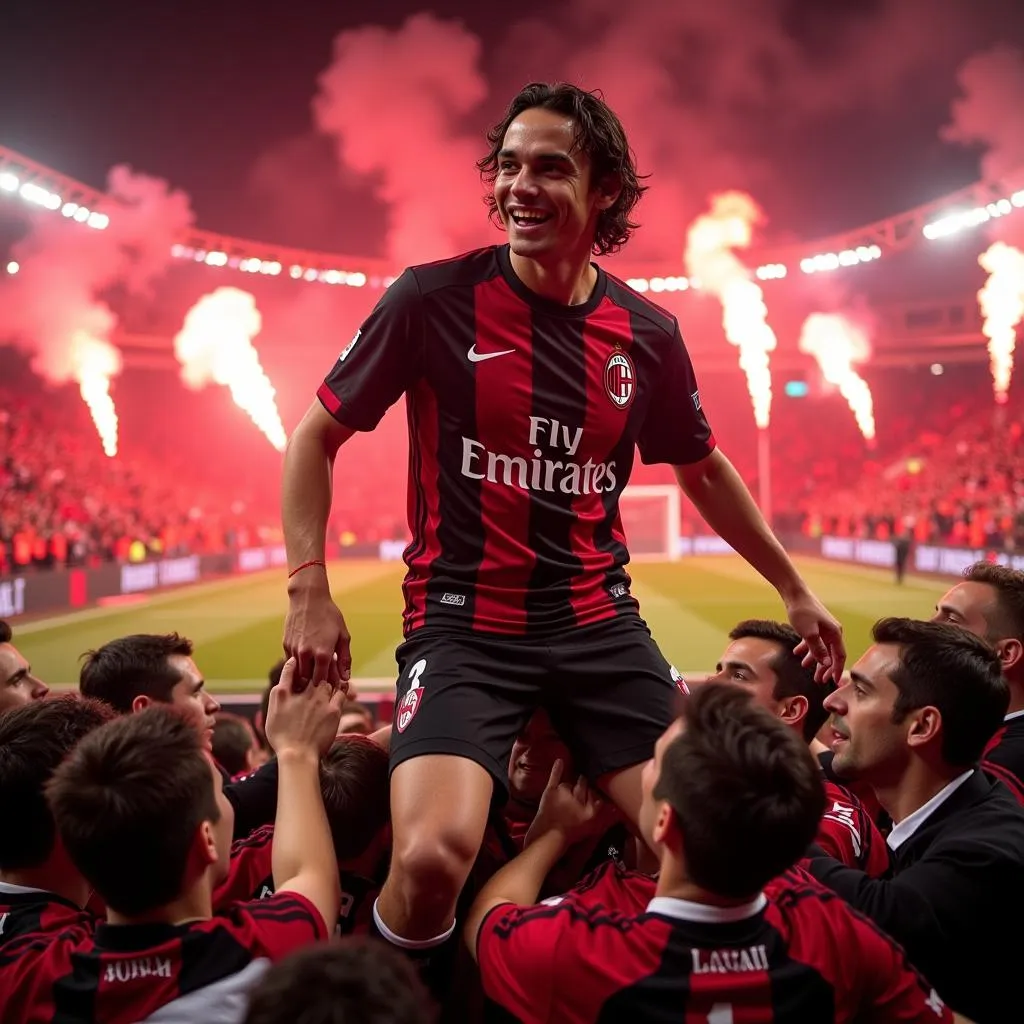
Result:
pixel 435 864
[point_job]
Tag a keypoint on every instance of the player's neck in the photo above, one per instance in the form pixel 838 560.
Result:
pixel 674 884
pixel 917 785
pixel 569 281
pixel 60 879
pixel 195 904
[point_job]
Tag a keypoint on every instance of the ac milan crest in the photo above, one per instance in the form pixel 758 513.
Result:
pixel 407 708
pixel 620 379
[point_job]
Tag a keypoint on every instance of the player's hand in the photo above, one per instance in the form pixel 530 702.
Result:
pixel 303 719
pixel 822 635
pixel 575 811
pixel 315 635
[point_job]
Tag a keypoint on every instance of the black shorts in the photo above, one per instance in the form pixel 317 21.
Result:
pixel 609 691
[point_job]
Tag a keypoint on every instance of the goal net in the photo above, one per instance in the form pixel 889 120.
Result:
pixel 651 519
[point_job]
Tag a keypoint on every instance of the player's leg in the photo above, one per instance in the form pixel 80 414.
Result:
pixel 612 695
pixel 439 806
pixel 461 703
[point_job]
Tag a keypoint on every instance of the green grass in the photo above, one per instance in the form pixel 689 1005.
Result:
pixel 236 624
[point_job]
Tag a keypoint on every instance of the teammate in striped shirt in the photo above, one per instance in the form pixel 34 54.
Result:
pixel 140 808
pixel 731 800
pixel 354 787
pixel 41 891
pixel 760 658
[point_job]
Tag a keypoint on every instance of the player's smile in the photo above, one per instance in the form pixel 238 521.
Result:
pixel 527 220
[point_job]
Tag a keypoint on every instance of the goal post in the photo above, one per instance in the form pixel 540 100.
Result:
pixel 651 520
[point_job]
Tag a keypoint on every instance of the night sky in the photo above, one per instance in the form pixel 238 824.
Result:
pixel 829 113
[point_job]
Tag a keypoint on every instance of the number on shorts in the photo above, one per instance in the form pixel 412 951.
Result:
pixel 720 1013
pixel 417 669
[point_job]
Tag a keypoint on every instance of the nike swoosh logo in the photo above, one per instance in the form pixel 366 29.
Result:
pixel 480 357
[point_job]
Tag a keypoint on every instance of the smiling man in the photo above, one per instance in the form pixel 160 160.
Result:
pixel 912 721
pixel 531 377
pixel 17 684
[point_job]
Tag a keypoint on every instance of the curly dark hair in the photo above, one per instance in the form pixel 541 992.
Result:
pixel 599 134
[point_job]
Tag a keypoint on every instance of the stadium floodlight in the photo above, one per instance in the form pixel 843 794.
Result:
pixel 9 182
pixel 961 220
pixel 13 267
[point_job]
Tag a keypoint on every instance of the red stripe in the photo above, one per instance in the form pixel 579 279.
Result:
pixel 995 741
pixel 504 398
pixel 424 503
pixel 329 399
pixel 609 325
pixel 737 997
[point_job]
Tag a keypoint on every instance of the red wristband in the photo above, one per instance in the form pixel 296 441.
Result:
pixel 306 565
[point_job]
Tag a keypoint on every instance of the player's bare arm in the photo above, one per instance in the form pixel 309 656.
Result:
pixel 566 815
pixel 301 725
pixel 722 498
pixel 315 629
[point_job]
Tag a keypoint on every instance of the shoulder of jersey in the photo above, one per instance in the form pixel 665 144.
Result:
pixel 628 298
pixel 468 269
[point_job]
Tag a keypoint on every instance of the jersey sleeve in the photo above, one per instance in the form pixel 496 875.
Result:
pixel 278 925
pixel 894 992
pixel 516 950
pixel 848 834
pixel 675 429
pixel 250 867
pixel 383 359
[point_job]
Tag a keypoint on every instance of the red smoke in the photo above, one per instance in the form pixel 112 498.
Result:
pixel 66 268
pixel 394 101
pixel 713 96
pixel 990 111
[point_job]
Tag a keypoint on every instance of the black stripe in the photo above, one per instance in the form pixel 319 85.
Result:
pixel 451 320
pixel 419 524
pixel 74 995
pixel 559 392
pixel 208 957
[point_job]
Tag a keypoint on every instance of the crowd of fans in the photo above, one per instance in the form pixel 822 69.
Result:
pixel 803 852
pixel 63 502
pixel 946 468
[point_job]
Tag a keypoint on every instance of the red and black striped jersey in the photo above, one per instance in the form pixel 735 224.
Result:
pixel 797 954
pixel 524 417
pixel 121 974
pixel 614 886
pixel 25 911
pixel 847 833
pixel 251 877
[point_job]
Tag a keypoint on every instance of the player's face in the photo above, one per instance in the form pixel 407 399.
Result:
pixel 968 605
pixel 223 829
pixel 534 753
pixel 866 742
pixel 189 696
pixel 17 684
pixel 651 818
pixel 544 193
pixel 748 663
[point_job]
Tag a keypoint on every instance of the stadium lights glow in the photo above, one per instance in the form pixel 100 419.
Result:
pixel 13 267
pixel 39 196
pixel 835 260
pixel 960 220
pixel 271 268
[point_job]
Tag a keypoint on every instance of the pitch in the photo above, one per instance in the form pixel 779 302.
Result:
pixel 236 623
